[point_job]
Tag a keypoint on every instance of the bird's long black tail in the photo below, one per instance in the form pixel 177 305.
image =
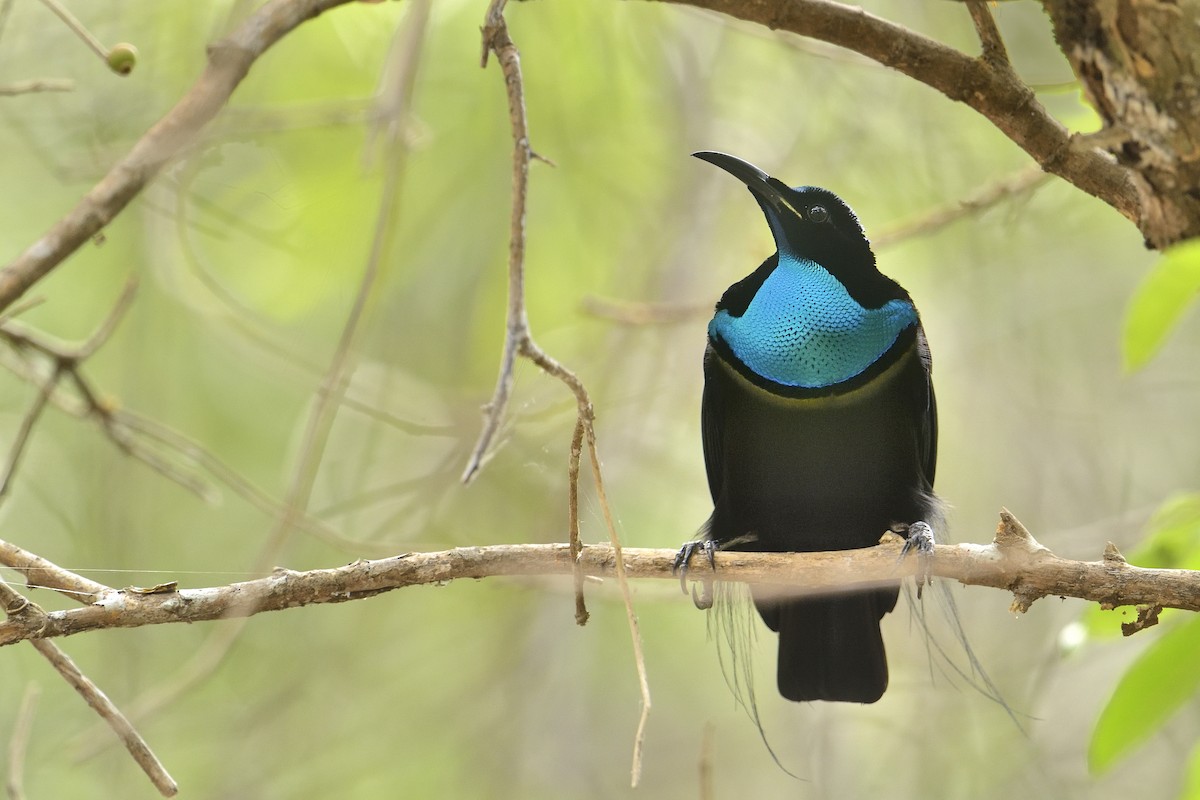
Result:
pixel 830 648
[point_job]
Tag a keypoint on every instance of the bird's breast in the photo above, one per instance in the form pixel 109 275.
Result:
pixel 803 329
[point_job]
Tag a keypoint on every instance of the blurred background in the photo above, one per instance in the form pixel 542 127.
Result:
pixel 249 253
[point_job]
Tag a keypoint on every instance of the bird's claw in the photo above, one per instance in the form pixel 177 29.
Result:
pixel 682 560
pixel 919 539
pixel 703 600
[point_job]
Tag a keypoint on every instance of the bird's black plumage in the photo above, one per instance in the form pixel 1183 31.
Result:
pixel 819 426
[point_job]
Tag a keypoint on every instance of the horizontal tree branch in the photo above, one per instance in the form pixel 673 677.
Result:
pixel 1014 562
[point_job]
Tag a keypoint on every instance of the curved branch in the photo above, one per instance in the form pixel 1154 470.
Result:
pixel 1014 562
pixel 229 60
pixel 988 85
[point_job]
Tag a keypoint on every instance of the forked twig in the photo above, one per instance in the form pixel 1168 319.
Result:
pixel 517 337
pixel 66 367
pixel 31 616
pixel 519 342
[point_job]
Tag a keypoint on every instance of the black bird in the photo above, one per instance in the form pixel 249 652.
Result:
pixel 819 425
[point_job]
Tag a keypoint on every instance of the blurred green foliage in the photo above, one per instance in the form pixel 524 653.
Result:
pixel 1160 301
pixel 249 252
pixel 1158 683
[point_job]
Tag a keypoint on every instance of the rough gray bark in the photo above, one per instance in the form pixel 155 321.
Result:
pixel 1139 62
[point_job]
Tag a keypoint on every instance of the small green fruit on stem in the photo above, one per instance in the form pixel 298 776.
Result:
pixel 122 58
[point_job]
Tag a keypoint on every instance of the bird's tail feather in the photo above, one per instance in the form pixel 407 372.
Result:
pixel 830 648
pixel 731 622
pixel 975 675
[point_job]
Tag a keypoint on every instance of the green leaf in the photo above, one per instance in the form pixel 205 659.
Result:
pixel 1191 784
pixel 1159 303
pixel 1160 681
pixel 1174 538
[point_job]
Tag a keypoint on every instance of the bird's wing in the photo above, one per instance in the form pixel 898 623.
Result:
pixel 929 431
pixel 711 417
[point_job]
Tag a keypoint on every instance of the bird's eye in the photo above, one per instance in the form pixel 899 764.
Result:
pixel 817 214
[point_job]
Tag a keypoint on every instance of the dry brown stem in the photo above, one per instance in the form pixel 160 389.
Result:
pixel 518 341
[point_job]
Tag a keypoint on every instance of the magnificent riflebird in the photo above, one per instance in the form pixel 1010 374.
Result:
pixel 819 427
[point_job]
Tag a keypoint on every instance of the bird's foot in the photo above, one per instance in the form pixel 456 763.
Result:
pixel 704 599
pixel 919 539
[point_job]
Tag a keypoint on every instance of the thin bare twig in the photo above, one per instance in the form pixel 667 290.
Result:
pixel 121 426
pixel 117 313
pixel 23 432
pixel 989 34
pixel 518 341
pixel 581 612
pixel 627 597
pixel 78 28
pixel 112 715
pixel 627 312
pixel 88 744
pixel 35 86
pixel 203 459
pixel 1015 185
pixel 19 743
pixel 517 336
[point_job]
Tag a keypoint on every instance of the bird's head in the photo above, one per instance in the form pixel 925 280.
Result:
pixel 809 223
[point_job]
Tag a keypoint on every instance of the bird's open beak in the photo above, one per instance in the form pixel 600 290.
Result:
pixel 770 191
